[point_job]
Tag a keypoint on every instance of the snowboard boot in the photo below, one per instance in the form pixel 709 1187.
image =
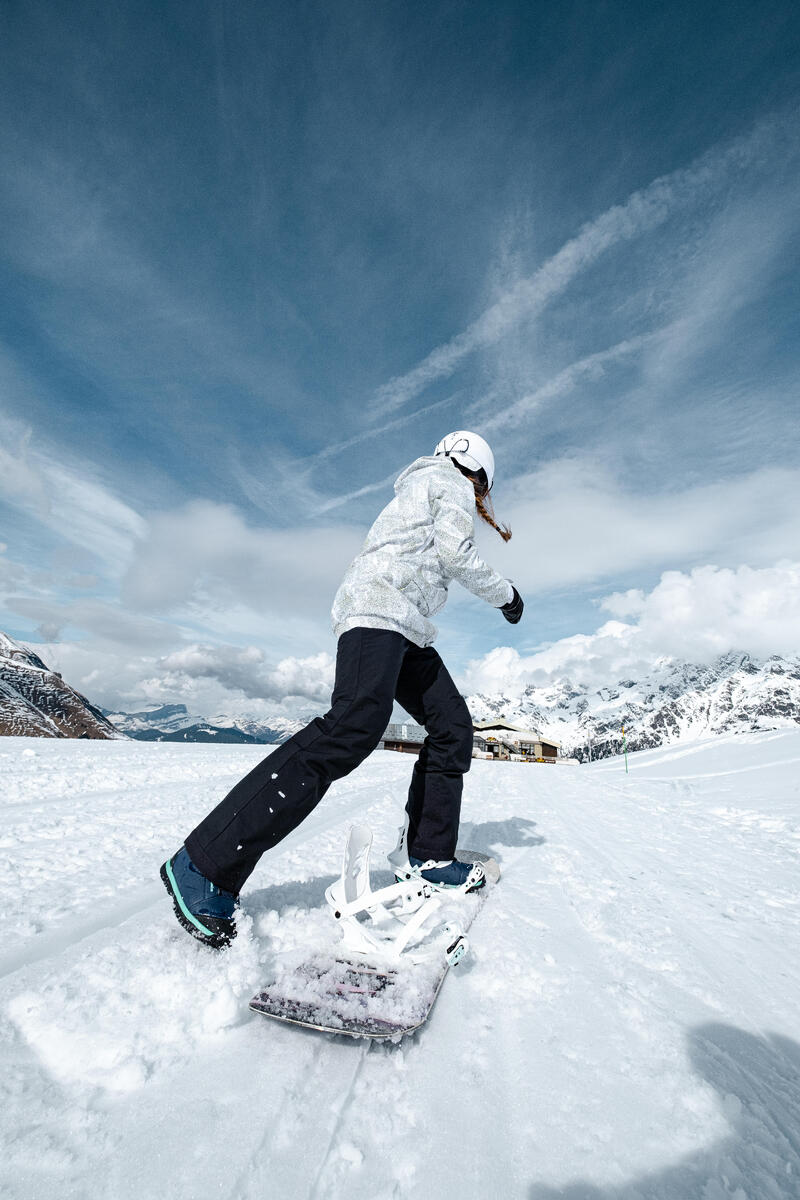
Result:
pixel 202 908
pixel 469 877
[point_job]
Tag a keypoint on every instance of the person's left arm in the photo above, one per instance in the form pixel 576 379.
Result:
pixel 454 540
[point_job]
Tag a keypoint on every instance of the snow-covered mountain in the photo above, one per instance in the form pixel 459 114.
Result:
pixel 676 701
pixel 36 702
pixel 174 723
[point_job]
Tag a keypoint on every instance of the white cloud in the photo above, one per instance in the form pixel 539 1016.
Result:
pixel 694 616
pixel 107 622
pixel 574 522
pixel 712 609
pixel 194 580
pixel 206 554
pixel 208 679
pixel 245 670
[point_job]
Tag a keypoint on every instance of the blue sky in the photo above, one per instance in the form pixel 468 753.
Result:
pixel 255 258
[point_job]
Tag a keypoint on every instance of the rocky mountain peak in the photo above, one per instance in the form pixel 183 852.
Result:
pixel 36 702
pixel 676 700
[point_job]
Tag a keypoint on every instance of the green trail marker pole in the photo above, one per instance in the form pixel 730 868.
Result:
pixel 625 748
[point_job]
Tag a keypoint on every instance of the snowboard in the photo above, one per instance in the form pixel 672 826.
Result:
pixel 358 995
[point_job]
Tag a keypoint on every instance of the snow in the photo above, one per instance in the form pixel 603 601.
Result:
pixel 626 1025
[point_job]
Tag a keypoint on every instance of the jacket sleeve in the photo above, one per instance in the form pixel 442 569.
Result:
pixel 453 538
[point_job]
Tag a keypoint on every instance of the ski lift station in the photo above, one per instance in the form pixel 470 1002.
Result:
pixel 497 739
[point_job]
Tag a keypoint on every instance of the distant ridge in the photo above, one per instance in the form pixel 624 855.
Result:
pixel 36 702
pixel 674 702
pixel 174 723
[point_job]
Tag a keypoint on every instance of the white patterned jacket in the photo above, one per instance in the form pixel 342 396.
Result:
pixel 422 540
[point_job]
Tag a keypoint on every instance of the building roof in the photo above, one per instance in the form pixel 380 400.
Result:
pixel 528 735
pixel 405 731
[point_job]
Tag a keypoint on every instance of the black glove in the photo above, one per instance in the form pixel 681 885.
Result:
pixel 513 610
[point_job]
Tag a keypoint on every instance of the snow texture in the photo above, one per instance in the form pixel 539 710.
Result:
pixel 626 1026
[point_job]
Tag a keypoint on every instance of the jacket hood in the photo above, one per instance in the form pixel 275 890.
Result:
pixel 429 462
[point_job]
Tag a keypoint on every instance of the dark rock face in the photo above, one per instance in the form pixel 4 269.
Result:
pixel 36 702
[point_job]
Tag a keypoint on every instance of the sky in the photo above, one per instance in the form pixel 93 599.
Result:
pixel 255 258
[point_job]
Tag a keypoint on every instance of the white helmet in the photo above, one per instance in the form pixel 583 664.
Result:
pixel 470 451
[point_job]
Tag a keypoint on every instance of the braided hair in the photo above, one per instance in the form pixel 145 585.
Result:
pixel 483 503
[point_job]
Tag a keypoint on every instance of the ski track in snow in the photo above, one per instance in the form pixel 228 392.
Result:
pixel 626 1026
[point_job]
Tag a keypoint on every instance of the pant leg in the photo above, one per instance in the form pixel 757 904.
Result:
pixel 284 788
pixel 426 691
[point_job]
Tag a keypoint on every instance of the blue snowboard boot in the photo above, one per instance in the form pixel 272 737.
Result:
pixel 201 907
pixel 452 874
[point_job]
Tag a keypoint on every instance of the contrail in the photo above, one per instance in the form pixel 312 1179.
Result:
pixel 643 211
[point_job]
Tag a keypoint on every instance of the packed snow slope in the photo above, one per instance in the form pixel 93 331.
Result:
pixel 627 1025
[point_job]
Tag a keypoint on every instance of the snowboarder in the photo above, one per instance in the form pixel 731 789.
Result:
pixel 421 541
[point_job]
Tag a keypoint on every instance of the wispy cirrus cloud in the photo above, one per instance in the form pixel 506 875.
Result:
pixel 69 499
pixel 295 479
pixel 389 427
pixel 590 367
pixel 119 313
pixel 367 490
pixel 641 213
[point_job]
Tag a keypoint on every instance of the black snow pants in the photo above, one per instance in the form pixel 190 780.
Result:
pixel 374 667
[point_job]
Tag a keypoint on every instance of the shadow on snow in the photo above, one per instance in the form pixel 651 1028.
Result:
pixel 758 1081
pixel 489 835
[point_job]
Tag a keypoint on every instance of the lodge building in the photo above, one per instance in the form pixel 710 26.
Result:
pixel 502 739
pixel 497 739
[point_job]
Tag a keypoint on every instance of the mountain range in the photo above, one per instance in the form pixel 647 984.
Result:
pixel 674 701
pixel 174 723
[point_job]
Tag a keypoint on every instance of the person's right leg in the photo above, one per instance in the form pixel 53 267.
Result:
pixel 426 690
pixel 284 788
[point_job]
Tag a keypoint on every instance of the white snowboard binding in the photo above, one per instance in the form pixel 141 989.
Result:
pixel 394 921
pixel 405 872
